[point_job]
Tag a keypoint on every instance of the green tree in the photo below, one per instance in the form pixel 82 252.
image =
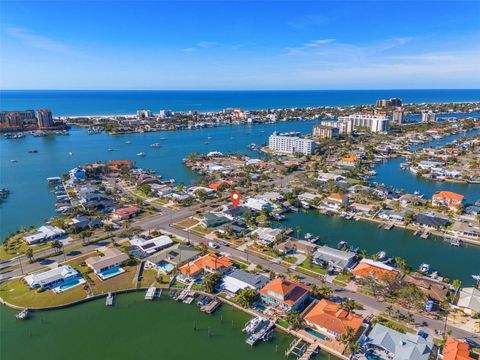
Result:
pixel 246 297
pixel 30 255
pixel 294 318
pixel 348 338
pixel 349 305
pixel 210 281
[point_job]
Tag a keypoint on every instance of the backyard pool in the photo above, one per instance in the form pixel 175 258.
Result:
pixel 68 285
pixel 107 274
pixel 166 267
pixel 316 333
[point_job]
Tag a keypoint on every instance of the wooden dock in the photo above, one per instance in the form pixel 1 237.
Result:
pixel 311 350
pixel 153 293
pixel 296 347
pixel 211 306
pixel 109 300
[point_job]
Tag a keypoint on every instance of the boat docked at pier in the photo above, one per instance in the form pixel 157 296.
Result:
pixel 22 315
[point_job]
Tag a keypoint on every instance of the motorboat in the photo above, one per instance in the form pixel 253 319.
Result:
pixel 128 142
pixel 141 154
pixel 155 145
pixel 109 149
pixel 424 268
pixel 70 153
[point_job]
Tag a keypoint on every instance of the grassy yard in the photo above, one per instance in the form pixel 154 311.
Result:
pixel 186 223
pixel 149 277
pixel 17 292
pixel 119 282
pixel 312 267
pixel 200 230
pixel 17 246
pixel 290 259
pixel 392 324
pixel 283 323
pixel 342 279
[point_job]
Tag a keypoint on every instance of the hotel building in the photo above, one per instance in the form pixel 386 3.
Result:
pixel 291 144
pixel 44 119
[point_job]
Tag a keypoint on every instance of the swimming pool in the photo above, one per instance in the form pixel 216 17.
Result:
pixel 68 285
pixel 111 272
pixel 166 267
pixel 316 333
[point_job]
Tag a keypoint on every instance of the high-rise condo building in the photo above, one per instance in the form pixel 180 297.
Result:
pixel 397 116
pixel 291 144
pixel 44 119
pixel 429 116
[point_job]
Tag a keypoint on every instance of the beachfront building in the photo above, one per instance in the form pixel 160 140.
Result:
pixel 448 199
pixel 456 350
pixel 209 263
pixel 387 343
pixel 429 116
pixel 108 265
pixel 290 144
pixel 44 233
pixel 285 294
pixel 367 268
pixel 167 259
pixel 397 116
pixel 237 280
pixel 44 119
pixel 58 279
pixel 325 132
pixel 374 123
pixel 150 246
pixel 329 318
pixel 338 260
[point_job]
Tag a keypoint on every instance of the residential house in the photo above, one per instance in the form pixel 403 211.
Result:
pixel 335 201
pixel 329 318
pixel 117 165
pixel 44 233
pixel 237 280
pixel 267 235
pixel 339 260
pixel 392 215
pixel 296 246
pixel 448 199
pixel 125 213
pixel 435 290
pixel 150 246
pixel 108 265
pixel 431 221
pixel 285 294
pixel 209 263
pixel 468 299
pixel 167 259
pixel 364 209
pixel 54 278
pixel 463 229
pixel 324 177
pixel 257 204
pixel 369 268
pixel 456 350
pixel 81 222
pixel 392 344
pixel 211 220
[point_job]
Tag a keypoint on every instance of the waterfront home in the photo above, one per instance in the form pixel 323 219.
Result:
pixel 364 209
pixel 236 228
pixel 387 343
pixel 192 190
pixel 215 186
pixel 285 294
pixel 329 318
pixel 211 220
pixel 167 259
pixel 473 210
pixel 335 201
pixel 77 173
pixel 257 204
pixel 125 213
pixel 108 265
pixel 235 213
pixel 428 164
pixel 448 199
pixel 44 233
pixel 463 229
pixel 392 215
pixel 308 197
pixel 267 235
pixel 456 350
pixel 367 268
pixel 468 299
pixel 150 246
pixel 237 280
pixel 296 246
pixel 435 290
pixel 339 260
pixel 431 221
pixel 147 179
pixel 209 263
pixel 57 279
pixel 118 165
pixel 412 199
pixel 271 196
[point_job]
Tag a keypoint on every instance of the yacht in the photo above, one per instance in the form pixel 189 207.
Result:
pixel 162 139
pixel 13 161
pixel 382 255
pixel 109 149
pixel 70 153
pixel 141 154
pixel 253 324
pixel 128 142
pixel 155 145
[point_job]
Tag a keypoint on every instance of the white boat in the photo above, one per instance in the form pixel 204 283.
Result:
pixel 128 142
pixel 162 138
pixel 22 314
pixel 13 161
pixel 424 268
pixel 70 153
pixel 141 154
pixel 109 149
pixel 382 255
pixel 476 277
pixel 155 145
pixel 252 325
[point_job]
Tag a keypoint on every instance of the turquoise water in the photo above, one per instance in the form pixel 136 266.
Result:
pixel 86 102
pixel 316 333
pixel 107 274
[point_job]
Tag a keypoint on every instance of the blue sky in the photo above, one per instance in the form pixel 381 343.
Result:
pixel 239 45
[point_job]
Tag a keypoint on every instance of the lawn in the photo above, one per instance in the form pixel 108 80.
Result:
pixel 16 292
pixel 119 282
pixel 283 323
pixel 200 230
pixel 290 259
pixel 312 267
pixel 186 223
pixel 342 279
pixel 149 277
pixel 393 325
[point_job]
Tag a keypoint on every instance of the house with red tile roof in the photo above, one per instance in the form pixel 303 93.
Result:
pixel 222 183
pixel 285 294
pixel 335 201
pixel 120 164
pixel 456 350
pixel 209 263
pixel 368 268
pixel 329 318
pixel 125 213
pixel 448 199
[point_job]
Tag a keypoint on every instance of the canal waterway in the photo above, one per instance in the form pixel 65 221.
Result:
pixel 134 329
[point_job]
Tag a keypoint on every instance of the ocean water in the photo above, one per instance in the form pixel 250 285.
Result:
pixel 101 102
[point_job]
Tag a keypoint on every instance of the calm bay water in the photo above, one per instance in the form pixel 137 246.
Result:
pixel 133 329
pixel 83 102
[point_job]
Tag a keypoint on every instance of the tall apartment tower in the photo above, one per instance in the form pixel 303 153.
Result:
pixel 44 119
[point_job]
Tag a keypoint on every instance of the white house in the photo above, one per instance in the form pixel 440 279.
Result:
pixel 55 278
pixel 256 204
pixel 151 246
pixel 44 233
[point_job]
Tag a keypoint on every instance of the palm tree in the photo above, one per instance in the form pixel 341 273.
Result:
pixel 325 291
pixel 29 254
pixel 348 338
pixel 349 305
pixel 294 318
pixel 456 285
pixel 389 310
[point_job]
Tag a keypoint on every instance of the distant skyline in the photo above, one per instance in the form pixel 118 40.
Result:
pixel 239 45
